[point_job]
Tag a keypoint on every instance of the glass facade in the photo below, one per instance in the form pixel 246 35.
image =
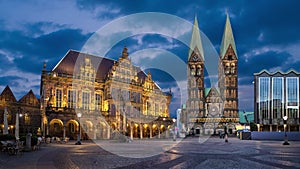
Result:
pixel 292 96
pixel 264 96
pixel 292 91
pixel 277 97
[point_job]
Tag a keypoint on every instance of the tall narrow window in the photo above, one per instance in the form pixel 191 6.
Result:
pixel 264 96
pixel 58 98
pixel 292 96
pixel 71 99
pixel 277 96
pixel 292 91
pixel 97 102
pixel 27 119
pixel 85 100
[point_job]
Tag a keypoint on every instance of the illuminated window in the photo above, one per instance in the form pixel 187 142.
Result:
pixel 27 119
pixel 58 97
pixel 97 101
pixel 71 99
pixel 86 100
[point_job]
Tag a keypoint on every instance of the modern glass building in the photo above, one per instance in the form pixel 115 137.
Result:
pixel 276 96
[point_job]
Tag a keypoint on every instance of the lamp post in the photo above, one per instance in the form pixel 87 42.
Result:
pixel 79 130
pixel 175 131
pixel 285 135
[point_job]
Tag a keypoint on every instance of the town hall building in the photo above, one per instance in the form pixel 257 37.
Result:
pixel 103 97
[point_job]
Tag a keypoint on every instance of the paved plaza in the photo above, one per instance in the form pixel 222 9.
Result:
pixel 188 153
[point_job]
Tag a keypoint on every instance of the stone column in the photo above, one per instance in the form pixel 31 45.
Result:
pixel 48 128
pixel 167 133
pixel 108 132
pixel 158 127
pixel 124 123
pixel 64 132
pixel 95 133
pixel 141 131
pixel 131 131
pixel 150 129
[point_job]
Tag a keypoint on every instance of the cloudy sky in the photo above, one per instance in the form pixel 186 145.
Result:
pixel 266 34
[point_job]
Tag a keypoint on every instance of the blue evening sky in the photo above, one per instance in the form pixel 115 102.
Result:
pixel 266 35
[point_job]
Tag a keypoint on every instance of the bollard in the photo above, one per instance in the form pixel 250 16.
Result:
pixel 28 142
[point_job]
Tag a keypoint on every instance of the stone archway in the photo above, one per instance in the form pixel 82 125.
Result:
pixel 72 129
pixel 56 128
pixel 146 131
pixel 87 129
pixel 136 130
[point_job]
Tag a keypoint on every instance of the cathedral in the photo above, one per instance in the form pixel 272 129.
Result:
pixel 210 110
pixel 105 98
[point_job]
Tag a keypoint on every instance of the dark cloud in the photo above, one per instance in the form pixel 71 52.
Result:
pixel 30 52
pixel 255 25
pixel 267 60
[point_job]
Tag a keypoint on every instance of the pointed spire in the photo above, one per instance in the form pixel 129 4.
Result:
pixel 227 39
pixel 196 43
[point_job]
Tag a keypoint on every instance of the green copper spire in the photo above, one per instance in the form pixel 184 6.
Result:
pixel 227 39
pixel 196 41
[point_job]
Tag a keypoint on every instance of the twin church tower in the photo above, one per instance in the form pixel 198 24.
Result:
pixel 209 110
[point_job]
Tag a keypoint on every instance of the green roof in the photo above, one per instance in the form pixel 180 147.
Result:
pixel 206 91
pixel 196 40
pixel 250 116
pixel 227 39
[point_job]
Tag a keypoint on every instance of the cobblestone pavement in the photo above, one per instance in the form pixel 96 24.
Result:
pixel 188 153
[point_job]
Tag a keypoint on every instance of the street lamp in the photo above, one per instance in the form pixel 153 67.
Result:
pixel 285 135
pixel 175 131
pixel 79 130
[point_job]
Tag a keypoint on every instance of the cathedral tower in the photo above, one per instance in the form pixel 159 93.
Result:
pixel 195 103
pixel 228 74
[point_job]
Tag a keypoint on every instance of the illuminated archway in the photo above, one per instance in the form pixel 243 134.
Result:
pixel 56 128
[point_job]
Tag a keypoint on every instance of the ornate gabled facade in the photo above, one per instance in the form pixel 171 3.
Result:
pixel 113 96
pixel 209 110
pixel 28 109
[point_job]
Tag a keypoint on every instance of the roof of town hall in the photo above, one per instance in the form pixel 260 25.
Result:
pixel 70 61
